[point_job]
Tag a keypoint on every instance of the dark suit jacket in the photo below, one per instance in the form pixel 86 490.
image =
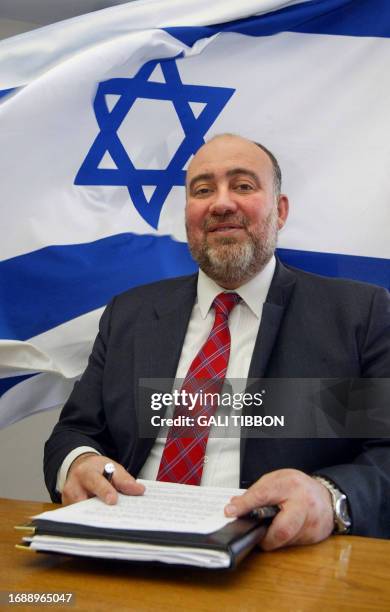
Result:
pixel 311 327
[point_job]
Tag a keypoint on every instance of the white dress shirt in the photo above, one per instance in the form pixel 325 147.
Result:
pixel 222 461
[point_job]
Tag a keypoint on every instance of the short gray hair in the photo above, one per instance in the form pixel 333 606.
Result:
pixel 275 167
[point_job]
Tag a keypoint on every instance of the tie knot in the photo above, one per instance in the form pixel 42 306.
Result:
pixel 225 302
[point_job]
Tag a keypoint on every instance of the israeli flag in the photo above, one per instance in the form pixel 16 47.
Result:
pixel 100 116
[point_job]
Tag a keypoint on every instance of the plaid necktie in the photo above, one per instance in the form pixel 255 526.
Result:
pixel 184 451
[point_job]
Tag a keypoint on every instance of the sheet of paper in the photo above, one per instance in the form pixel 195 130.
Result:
pixel 163 507
pixel 130 551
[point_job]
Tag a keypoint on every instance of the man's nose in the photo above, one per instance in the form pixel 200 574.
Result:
pixel 223 202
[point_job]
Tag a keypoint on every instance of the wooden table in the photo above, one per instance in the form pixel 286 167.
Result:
pixel 342 573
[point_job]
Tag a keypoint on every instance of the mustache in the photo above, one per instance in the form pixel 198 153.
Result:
pixel 214 221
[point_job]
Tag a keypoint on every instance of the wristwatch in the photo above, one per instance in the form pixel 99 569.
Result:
pixel 342 519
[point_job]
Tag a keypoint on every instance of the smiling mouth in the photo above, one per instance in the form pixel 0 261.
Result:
pixel 225 229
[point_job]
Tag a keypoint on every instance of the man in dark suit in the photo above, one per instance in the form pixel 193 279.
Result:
pixel 287 325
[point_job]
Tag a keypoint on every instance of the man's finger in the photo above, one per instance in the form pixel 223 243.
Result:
pixel 130 487
pixel 73 493
pixel 125 483
pixel 255 497
pixel 86 479
pixel 285 527
pixel 96 484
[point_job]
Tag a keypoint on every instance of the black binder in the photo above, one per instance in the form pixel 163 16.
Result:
pixel 235 540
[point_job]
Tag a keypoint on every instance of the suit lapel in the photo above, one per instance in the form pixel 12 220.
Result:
pixel 158 343
pixel 274 308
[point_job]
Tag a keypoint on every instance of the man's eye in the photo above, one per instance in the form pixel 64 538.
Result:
pixel 202 191
pixel 244 187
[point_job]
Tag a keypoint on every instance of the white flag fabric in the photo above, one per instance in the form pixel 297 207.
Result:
pixel 100 116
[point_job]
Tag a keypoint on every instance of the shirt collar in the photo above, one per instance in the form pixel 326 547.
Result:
pixel 253 293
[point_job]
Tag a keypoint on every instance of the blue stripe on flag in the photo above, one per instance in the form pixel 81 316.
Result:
pixel 367 269
pixel 43 289
pixel 5 92
pixel 338 17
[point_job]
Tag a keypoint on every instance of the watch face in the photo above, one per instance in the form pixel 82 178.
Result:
pixel 342 515
pixel 344 511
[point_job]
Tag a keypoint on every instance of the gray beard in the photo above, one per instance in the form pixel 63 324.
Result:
pixel 233 262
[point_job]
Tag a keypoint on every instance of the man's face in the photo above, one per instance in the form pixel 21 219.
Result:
pixel 232 215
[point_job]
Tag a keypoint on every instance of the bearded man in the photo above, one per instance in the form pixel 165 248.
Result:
pixel 244 316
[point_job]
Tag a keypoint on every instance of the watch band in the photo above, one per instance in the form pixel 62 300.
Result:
pixel 342 519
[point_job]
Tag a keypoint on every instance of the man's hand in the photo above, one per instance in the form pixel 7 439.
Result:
pixel 85 479
pixel 306 512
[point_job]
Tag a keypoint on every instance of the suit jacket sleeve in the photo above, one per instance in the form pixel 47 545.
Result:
pixel 366 479
pixel 82 420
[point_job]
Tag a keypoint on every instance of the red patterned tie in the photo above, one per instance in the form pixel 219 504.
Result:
pixel 183 456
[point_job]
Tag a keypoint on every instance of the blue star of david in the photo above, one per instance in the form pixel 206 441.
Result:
pixel 194 128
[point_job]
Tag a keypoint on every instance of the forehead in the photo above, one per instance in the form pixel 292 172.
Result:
pixel 219 156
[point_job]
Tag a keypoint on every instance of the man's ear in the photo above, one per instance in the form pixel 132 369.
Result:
pixel 283 207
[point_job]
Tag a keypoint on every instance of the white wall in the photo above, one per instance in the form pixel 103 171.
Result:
pixel 17 16
pixel 21 457
pixel 11 27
